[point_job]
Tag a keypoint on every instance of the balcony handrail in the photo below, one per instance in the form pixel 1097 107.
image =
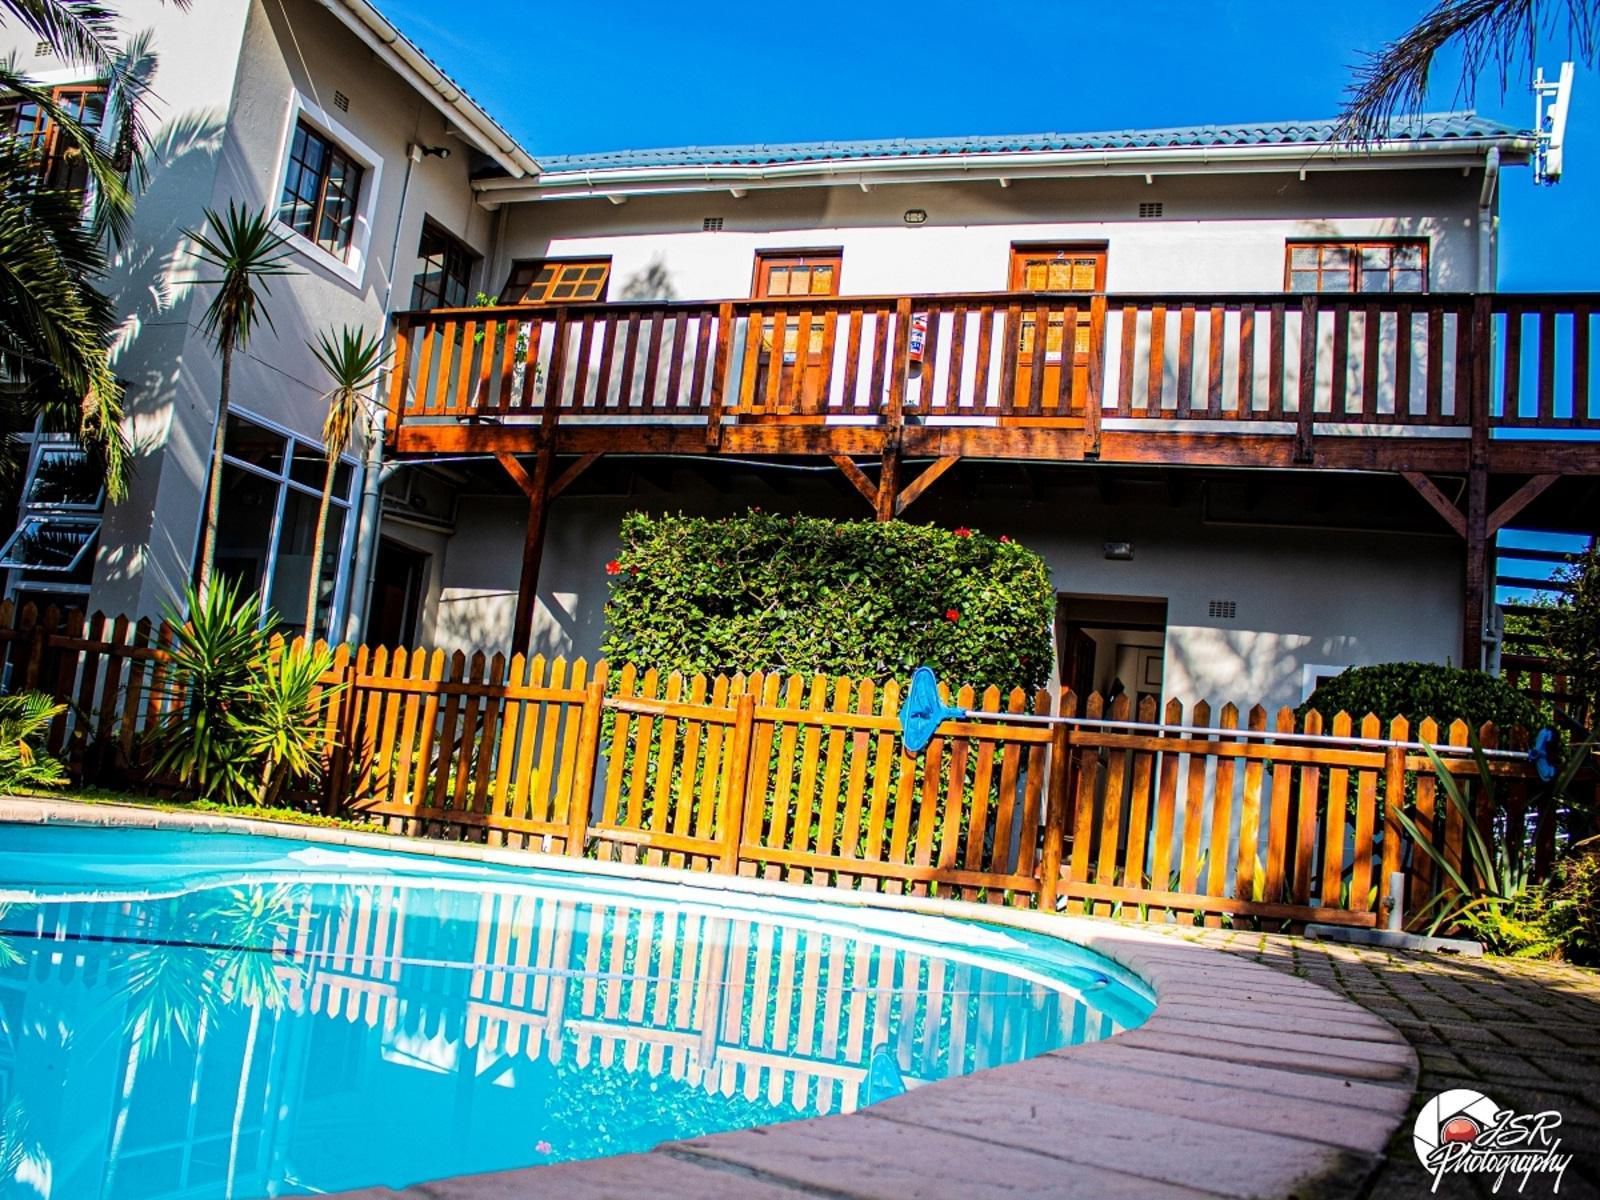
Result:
pixel 1499 302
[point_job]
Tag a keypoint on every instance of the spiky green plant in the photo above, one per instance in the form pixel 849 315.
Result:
pixel 282 724
pixel 352 357
pixel 248 253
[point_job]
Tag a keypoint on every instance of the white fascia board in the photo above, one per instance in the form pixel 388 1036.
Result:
pixel 1051 164
pixel 405 60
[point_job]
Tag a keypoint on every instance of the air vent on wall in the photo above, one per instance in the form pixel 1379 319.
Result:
pixel 1151 208
pixel 42 50
pixel 1223 610
pixel 341 102
pixel 712 224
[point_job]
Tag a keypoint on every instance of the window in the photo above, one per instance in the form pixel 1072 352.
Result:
pixel 1387 266
pixel 50 555
pixel 271 490
pixel 780 275
pixel 557 281
pixel 63 166
pixel 321 191
pixel 445 277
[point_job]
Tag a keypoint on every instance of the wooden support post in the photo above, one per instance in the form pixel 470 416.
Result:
pixel 889 479
pixel 857 477
pixel 1055 826
pixel 733 805
pixel 1094 402
pixel 1477 568
pixel 537 489
pixel 1437 500
pixel 719 374
pixel 1513 505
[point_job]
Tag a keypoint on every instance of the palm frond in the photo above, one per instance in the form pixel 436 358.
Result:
pixel 1502 35
pixel 248 252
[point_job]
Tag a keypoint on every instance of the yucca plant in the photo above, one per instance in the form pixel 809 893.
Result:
pixel 283 725
pixel 1494 878
pixel 352 358
pixel 25 719
pixel 243 246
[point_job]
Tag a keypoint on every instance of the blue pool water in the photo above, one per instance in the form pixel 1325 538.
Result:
pixel 214 1015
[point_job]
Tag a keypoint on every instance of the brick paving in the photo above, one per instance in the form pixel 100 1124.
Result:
pixel 1525 1034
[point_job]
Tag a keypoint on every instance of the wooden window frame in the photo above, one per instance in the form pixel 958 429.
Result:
pixel 1016 251
pixel 765 260
pixel 344 228
pixel 456 263
pixel 1355 246
pixel 534 265
pixel 45 135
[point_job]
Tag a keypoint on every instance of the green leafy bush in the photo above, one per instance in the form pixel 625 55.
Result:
pixel 806 594
pixel 1570 901
pixel 24 721
pixel 1415 690
pixel 1571 628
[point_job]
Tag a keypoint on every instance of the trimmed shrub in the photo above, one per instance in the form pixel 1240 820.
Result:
pixel 1570 900
pixel 1416 690
pixel 811 595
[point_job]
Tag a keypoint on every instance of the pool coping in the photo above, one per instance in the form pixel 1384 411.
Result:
pixel 1245 1082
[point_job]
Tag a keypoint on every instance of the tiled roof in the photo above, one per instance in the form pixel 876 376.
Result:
pixel 1430 127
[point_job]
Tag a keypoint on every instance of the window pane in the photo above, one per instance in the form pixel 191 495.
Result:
pixel 1408 256
pixel 292 572
pixel 48 544
pixel 244 529
pixel 1303 257
pixel 1304 281
pixel 1408 281
pixel 64 476
pixel 1335 257
pixel 1375 281
pixel 250 443
pixel 822 281
pixel 1375 258
pixel 309 469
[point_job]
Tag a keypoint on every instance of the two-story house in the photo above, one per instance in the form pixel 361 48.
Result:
pixel 1252 395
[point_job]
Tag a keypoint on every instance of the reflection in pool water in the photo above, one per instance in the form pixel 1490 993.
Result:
pixel 212 1015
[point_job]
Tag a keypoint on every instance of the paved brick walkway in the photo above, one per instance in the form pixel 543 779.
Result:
pixel 1525 1034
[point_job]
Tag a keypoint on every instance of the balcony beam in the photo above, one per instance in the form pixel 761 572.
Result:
pixel 929 476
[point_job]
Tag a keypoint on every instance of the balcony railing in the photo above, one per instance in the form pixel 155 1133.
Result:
pixel 1265 363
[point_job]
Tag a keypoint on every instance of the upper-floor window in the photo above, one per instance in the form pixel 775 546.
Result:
pixel 1379 266
pixel 557 281
pixel 321 191
pixel 444 277
pixel 62 164
pixel 787 274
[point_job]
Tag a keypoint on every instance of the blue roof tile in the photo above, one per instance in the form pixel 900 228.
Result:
pixel 1428 127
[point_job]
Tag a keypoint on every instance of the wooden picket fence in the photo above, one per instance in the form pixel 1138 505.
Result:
pixel 805 780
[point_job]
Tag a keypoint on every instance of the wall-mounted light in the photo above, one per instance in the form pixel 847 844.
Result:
pixel 1119 551
pixel 418 153
pixel 916 216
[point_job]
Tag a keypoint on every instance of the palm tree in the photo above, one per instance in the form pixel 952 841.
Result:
pixel 352 359
pixel 1503 34
pixel 55 326
pixel 243 246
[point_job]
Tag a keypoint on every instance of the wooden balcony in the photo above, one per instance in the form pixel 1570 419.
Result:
pixel 1409 383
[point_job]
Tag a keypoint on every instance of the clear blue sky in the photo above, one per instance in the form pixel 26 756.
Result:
pixel 567 77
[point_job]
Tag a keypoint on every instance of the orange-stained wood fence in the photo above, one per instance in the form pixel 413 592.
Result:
pixel 804 779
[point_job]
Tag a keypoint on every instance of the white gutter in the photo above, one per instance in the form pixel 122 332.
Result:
pixel 1012 164
pixel 402 57
pixel 1487 203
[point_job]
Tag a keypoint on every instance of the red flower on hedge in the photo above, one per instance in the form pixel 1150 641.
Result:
pixel 952 614
pixel 963 531
pixel 1005 539
pixel 613 567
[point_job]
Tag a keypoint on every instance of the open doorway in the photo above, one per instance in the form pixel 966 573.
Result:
pixel 1112 645
pixel 397 583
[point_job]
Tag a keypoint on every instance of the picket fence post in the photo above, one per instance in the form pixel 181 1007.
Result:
pixel 734 801
pixel 588 752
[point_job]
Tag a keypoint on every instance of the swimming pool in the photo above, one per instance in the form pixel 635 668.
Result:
pixel 205 1014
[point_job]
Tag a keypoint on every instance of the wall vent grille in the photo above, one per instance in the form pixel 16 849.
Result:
pixel 42 50
pixel 1151 208
pixel 1223 610
pixel 341 101
pixel 712 224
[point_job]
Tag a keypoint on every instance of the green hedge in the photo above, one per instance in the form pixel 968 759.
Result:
pixel 806 594
pixel 1416 690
